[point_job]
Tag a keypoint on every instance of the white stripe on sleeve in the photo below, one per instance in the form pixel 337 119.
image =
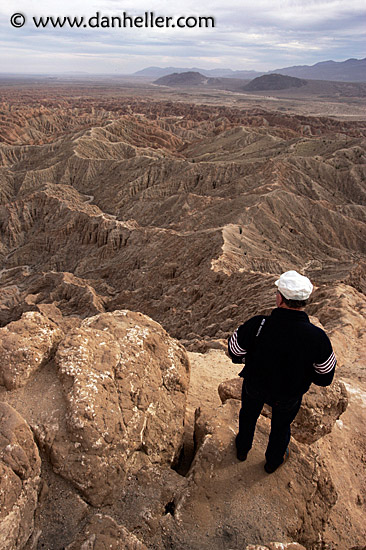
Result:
pixel 234 346
pixel 327 366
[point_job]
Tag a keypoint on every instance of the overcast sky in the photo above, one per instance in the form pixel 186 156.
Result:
pixel 258 34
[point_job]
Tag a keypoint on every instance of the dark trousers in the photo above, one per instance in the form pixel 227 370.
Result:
pixel 283 413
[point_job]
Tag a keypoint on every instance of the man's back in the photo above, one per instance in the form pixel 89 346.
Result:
pixel 284 354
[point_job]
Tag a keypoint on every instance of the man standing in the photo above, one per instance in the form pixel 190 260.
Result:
pixel 283 354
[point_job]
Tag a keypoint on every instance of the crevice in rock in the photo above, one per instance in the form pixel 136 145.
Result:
pixel 170 508
pixel 184 461
pixel 61 511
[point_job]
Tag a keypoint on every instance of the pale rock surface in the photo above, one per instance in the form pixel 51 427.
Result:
pixel 344 451
pixel 147 504
pixel 342 309
pixel 26 345
pixel 224 499
pixel 125 383
pixel 20 468
pixel 102 533
pixel 320 408
pixel 277 546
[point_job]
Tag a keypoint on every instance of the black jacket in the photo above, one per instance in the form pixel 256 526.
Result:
pixel 283 353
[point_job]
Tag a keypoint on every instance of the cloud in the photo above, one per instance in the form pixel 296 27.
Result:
pixel 262 35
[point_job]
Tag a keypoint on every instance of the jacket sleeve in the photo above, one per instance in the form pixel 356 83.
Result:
pixel 239 343
pixel 325 364
pixel 236 352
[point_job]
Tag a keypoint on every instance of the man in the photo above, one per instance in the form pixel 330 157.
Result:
pixel 283 353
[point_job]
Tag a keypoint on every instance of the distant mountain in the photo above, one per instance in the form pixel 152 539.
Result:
pixel 157 72
pixel 352 70
pixel 193 78
pixel 190 78
pixel 274 82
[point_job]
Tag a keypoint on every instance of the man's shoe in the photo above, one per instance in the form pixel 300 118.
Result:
pixel 240 455
pixel 269 468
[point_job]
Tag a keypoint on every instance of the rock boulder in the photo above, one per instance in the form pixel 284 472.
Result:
pixel 20 468
pixel 125 383
pixel 25 345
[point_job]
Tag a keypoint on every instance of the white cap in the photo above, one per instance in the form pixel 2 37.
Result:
pixel 294 286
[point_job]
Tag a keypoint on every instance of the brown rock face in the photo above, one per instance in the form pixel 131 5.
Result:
pixel 67 292
pixel 125 383
pixel 103 532
pixel 230 389
pixel 320 408
pixel 20 468
pixel 25 345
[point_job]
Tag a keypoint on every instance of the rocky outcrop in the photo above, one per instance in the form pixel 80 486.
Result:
pixel 66 292
pixel 103 532
pixel 20 468
pixel 224 497
pixel 25 290
pixel 320 408
pixel 125 383
pixel 25 346
pixel 230 389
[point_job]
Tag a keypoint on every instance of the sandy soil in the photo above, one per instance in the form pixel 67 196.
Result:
pixel 207 372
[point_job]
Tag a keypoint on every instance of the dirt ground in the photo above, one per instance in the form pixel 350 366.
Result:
pixel 207 372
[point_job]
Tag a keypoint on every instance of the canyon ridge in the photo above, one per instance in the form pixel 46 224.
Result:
pixel 139 227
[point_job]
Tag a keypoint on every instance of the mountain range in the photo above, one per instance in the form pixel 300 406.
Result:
pixel 351 70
